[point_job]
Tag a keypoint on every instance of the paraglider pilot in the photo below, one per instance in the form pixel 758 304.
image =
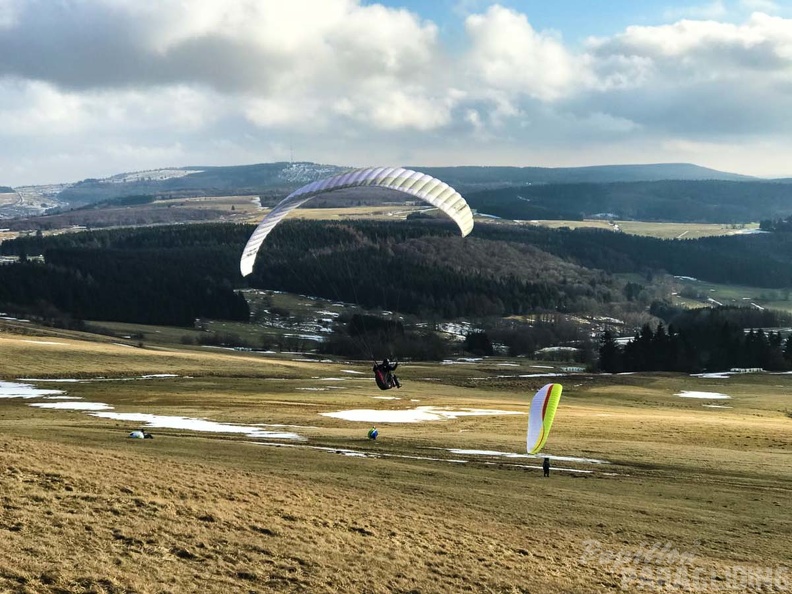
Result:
pixel 383 374
pixel 546 466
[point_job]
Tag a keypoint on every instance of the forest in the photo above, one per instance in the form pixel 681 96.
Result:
pixel 150 275
pixel 703 340
pixel 174 274
pixel 702 201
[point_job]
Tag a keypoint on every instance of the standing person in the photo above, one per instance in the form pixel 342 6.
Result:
pixel 546 466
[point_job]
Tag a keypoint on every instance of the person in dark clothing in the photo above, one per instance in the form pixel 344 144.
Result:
pixel 383 373
pixel 546 466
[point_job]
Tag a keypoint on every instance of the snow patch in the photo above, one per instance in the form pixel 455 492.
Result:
pixel 73 405
pixel 706 395
pixel 17 390
pixel 200 425
pixel 415 415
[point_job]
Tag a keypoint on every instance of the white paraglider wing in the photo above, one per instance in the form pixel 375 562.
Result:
pixel 420 185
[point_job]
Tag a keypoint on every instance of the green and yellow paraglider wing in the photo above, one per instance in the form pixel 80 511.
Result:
pixel 543 409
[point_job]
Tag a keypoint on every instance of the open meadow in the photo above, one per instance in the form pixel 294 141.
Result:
pixel 660 230
pixel 659 482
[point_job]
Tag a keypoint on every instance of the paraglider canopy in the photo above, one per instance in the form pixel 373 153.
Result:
pixel 540 419
pixel 407 181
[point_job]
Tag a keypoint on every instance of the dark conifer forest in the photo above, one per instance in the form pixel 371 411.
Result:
pixel 703 340
pixel 175 274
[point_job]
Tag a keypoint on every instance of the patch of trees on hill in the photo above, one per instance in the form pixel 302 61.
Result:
pixel 150 276
pixel 371 337
pixel 174 274
pixel 703 340
pixel 705 201
pixel 783 225
pixel 757 260
pixel 423 269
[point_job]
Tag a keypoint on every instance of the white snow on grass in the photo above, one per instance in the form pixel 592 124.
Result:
pixel 414 415
pixel 358 453
pixel 374 454
pixel 100 379
pixel 45 342
pixel 17 390
pixel 461 361
pixel 715 375
pixel 60 380
pixel 72 405
pixel 534 467
pixel 534 456
pixel 716 406
pixel 200 425
pixel 352 371
pixel 386 397
pixel 705 395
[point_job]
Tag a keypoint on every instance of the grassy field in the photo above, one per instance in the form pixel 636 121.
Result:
pixel 683 491
pixel 731 295
pixel 248 209
pixel 651 229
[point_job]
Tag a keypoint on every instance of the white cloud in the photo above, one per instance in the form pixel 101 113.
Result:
pixel 766 6
pixel 93 87
pixel 712 10
pixel 507 53
pixel 701 77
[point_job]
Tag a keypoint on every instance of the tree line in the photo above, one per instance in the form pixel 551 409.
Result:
pixel 149 276
pixel 704 201
pixel 704 340
pixel 756 260
pixel 174 274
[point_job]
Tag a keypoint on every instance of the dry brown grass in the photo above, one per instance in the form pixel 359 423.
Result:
pixel 661 230
pixel 87 510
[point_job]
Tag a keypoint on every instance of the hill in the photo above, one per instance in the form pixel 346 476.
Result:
pixel 644 482
pixel 174 274
pixel 276 179
pixel 477 177
pixel 704 201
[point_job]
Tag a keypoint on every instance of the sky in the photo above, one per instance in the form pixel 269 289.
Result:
pixel 91 88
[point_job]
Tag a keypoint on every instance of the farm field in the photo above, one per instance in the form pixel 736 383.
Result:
pixel 730 295
pixel 646 486
pixel 661 230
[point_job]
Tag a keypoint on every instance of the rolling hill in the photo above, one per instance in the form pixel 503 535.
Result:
pixel 272 180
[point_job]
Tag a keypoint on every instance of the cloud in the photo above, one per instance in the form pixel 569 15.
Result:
pixel 765 6
pixel 244 46
pixel 698 76
pixel 710 11
pixel 507 53
pixel 122 84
